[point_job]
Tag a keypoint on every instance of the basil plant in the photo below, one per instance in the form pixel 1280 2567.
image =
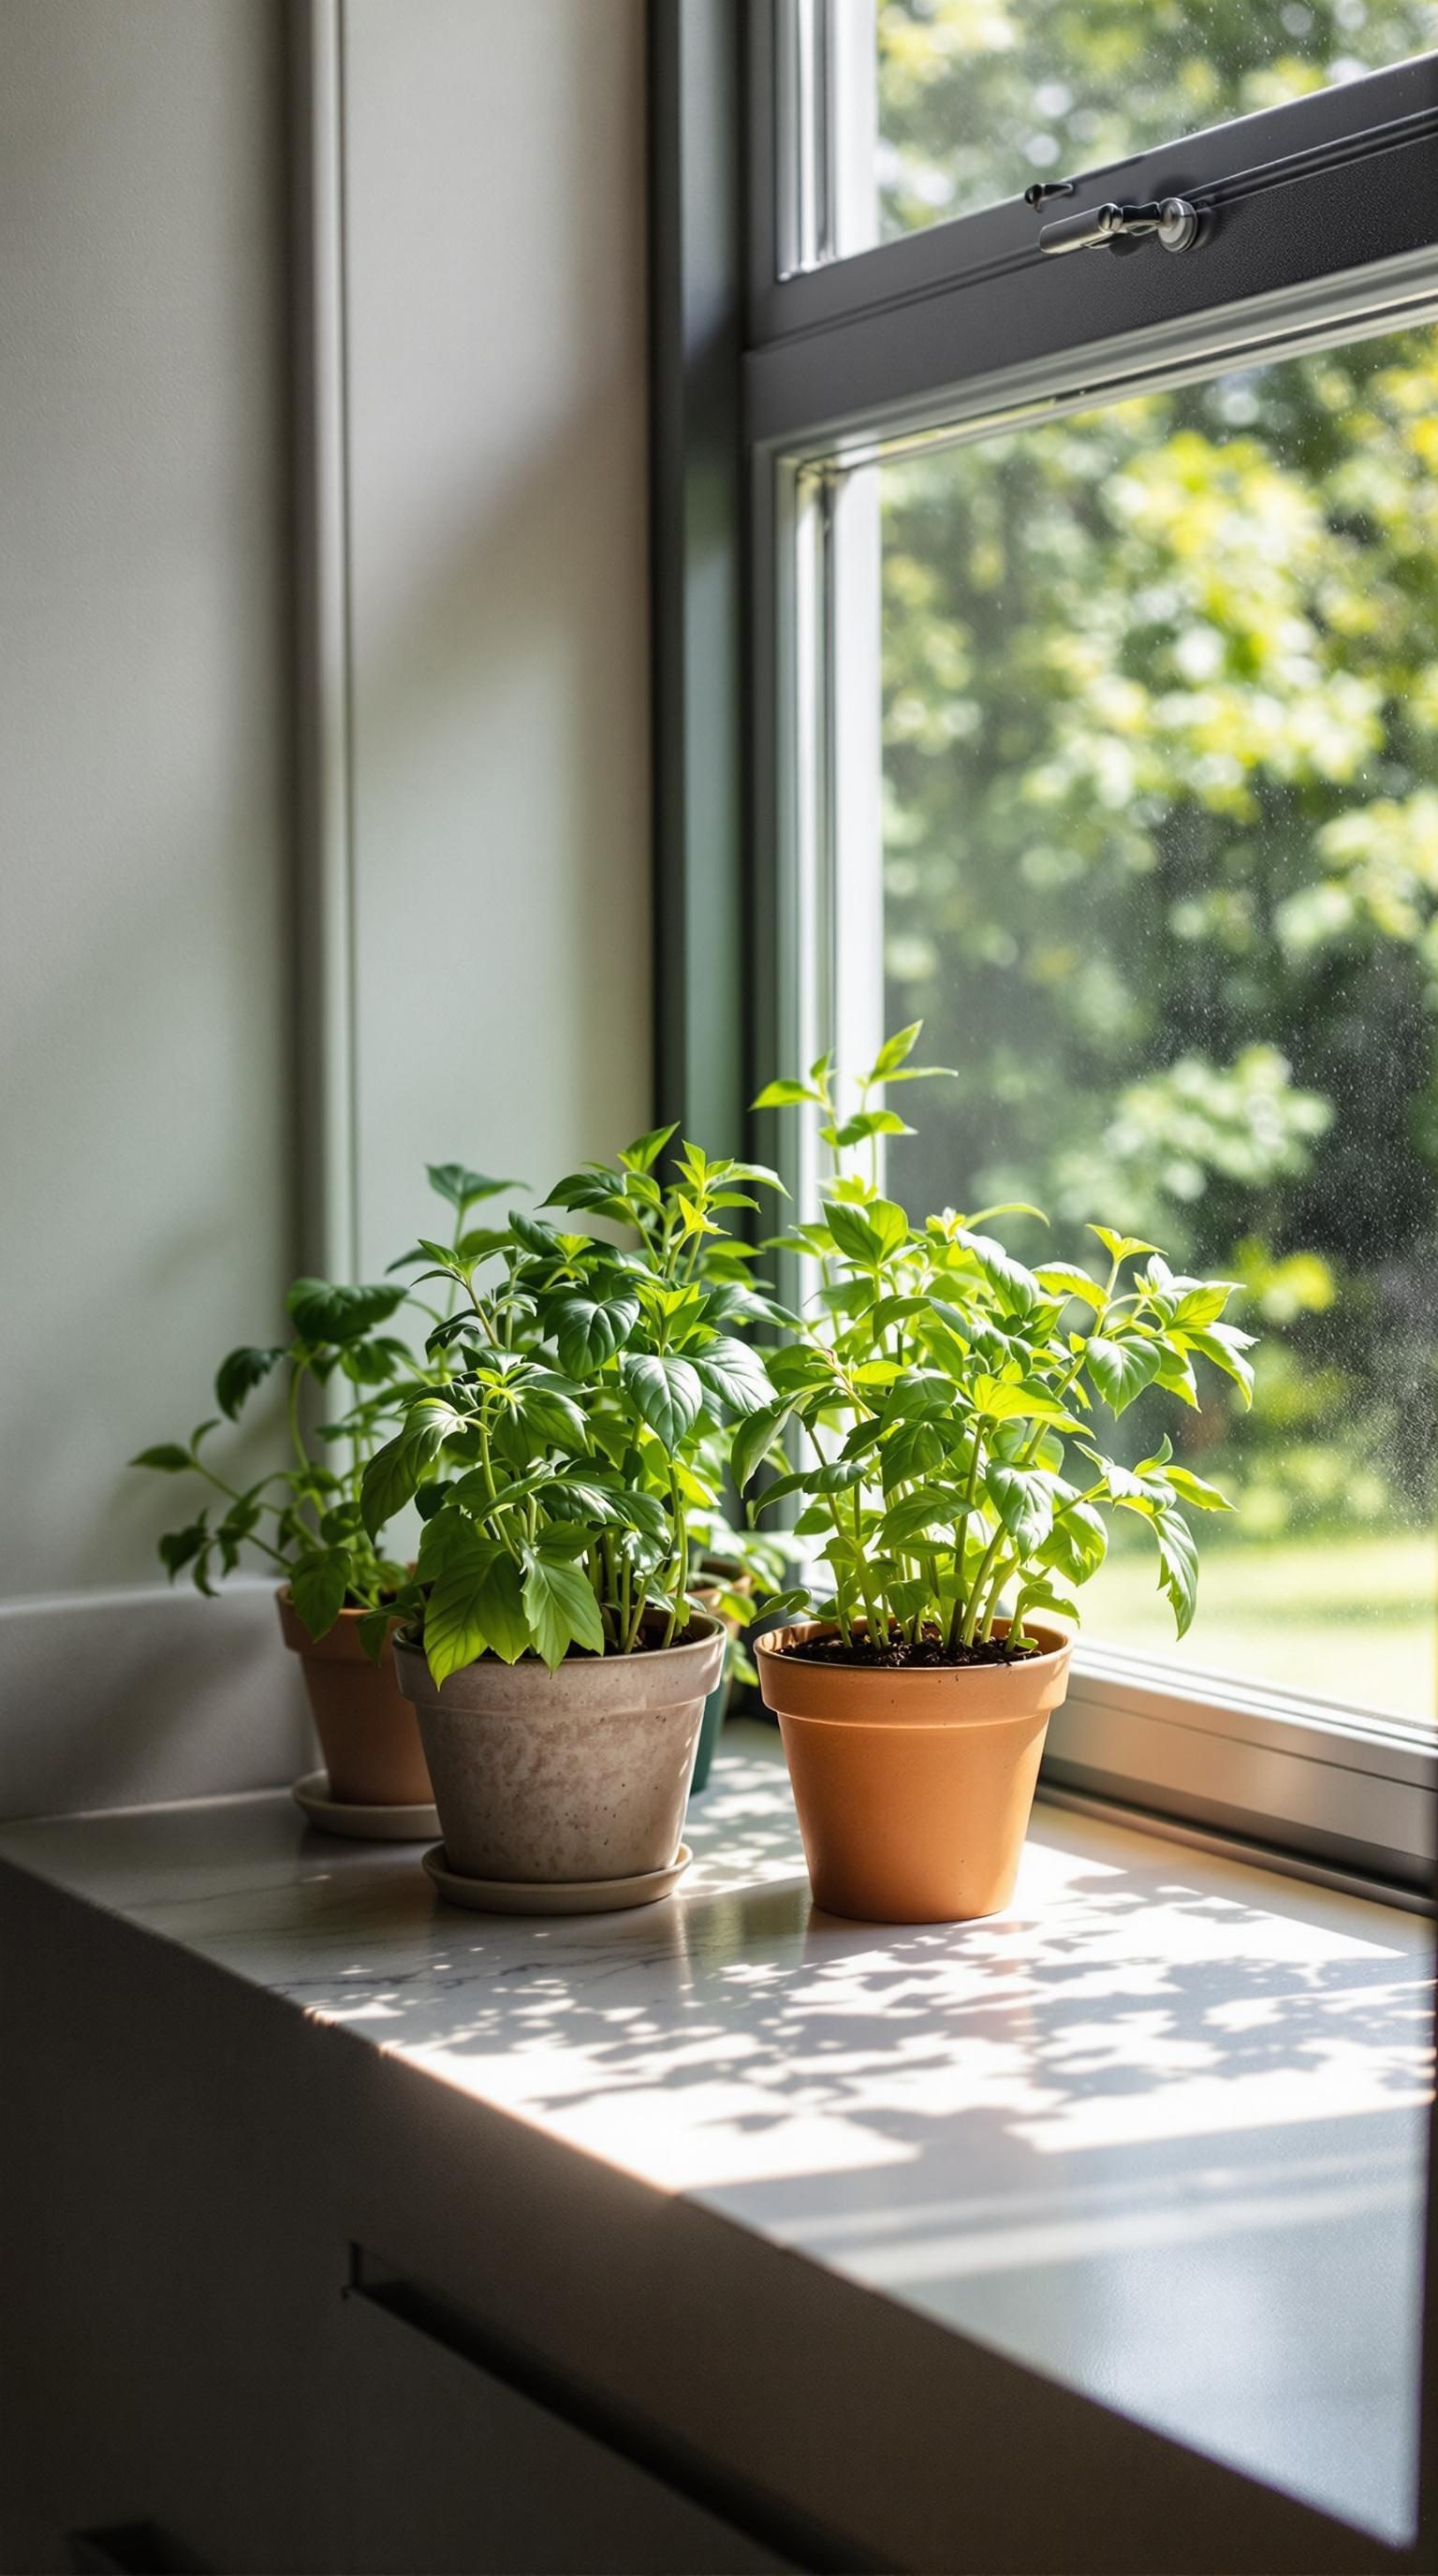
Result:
pixel 559 1471
pixel 303 1519
pixel 946 1401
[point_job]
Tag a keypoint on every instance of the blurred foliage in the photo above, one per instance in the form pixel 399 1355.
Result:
pixel 1161 771
pixel 978 97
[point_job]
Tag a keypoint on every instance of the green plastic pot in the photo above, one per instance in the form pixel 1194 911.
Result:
pixel 716 1706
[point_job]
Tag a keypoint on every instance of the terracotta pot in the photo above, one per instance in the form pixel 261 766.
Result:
pixel 367 1729
pixel 913 1788
pixel 576 1774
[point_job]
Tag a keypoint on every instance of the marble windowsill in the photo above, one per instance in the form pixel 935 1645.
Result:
pixel 1159 2131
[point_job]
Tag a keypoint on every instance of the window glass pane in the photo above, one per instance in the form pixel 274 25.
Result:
pixel 976 98
pixel 1161 877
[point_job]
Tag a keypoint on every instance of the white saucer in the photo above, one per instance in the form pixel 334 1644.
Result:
pixel 554 1896
pixel 362 1824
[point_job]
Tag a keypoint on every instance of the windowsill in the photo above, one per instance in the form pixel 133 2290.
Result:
pixel 1158 2132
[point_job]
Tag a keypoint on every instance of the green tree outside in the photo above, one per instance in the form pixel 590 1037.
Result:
pixel 1161 853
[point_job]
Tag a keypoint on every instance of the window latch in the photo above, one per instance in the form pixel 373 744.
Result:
pixel 1173 219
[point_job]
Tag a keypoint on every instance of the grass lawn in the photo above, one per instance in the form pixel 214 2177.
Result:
pixel 1352 1619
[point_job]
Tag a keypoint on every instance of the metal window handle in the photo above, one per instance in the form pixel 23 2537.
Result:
pixel 1174 221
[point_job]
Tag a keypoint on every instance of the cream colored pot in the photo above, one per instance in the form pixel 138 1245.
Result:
pixel 582 1773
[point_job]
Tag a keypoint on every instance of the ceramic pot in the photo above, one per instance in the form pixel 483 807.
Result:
pixel 733 1577
pixel 913 1788
pixel 580 1773
pixel 366 1727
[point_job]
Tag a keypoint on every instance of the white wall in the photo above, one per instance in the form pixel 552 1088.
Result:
pixel 144 1014
pixel 496 857
pixel 496 312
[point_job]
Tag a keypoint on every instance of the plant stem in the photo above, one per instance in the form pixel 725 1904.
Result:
pixel 293 1410
pixel 676 1505
pixel 961 1535
pixel 252 1537
pixel 971 1619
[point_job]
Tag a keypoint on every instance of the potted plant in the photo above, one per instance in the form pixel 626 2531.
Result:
pixel 557 1662
pixel 303 1519
pixel 954 1483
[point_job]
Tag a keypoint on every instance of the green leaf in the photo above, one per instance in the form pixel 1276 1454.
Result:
pixel 1000 1400
pixel 454 1627
pixel 167 1458
pixel 891 1224
pixel 501 1608
pixel 238 1375
pixel 645 1151
pixel 1175 1375
pixel 933 1509
pixel 754 1438
pixel 533 1236
pixel 449 1534
pixel 577 1498
pixel 786 1094
pixel 443 1256
pixel 864 1124
pixel 1007 1207
pixel 1065 1279
pixel 1201 1305
pixel 373 1630
pixel 1225 1345
pixel 836 1476
pixel 462 1187
pixel 894 1051
pixel 547 1406
pixel 782 1605
pixel 389 1481
pixel 665 1392
pixel 1023 1497
pixel 178 1547
pixel 1016 1288
pixel 852 1234
pixel 561 1609
pixel 1193 1489
pixel 1121 1370
pixel 398 1468
pixel 1041 1593
pixel 1120 1247
pixel 562 1541
pixel 318 1585
pixel 1178 1566
pixel 734 1372
pixel 589 1330
pixel 1078 1541
pixel 1143 1494
pixel 323 1311
pixel 480 1242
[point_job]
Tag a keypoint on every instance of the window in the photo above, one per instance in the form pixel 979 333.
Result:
pixel 1091 648
pixel 911 112
pixel 1160 875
